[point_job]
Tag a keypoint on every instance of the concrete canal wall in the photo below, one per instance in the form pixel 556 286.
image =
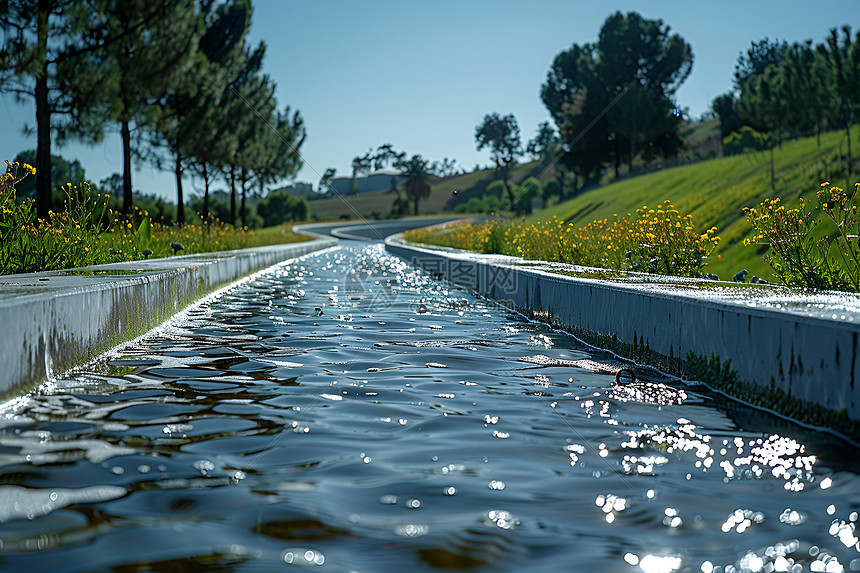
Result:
pixel 806 367
pixel 54 321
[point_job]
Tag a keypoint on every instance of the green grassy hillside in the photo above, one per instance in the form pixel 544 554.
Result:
pixel 364 205
pixel 715 192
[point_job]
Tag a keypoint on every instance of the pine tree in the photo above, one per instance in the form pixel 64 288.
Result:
pixel 150 46
pixel 48 54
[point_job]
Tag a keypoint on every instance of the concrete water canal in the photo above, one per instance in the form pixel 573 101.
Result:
pixel 346 411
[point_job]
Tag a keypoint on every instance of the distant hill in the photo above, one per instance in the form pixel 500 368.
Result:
pixel 374 198
pixel 377 204
pixel 379 181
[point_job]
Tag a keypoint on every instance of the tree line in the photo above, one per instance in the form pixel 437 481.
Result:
pixel 413 175
pixel 783 91
pixel 178 79
pixel 613 102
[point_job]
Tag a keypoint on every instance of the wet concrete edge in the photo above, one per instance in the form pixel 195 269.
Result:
pixel 801 367
pixel 55 321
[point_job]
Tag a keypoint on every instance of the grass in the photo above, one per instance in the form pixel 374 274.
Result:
pixel 85 232
pixel 129 242
pixel 657 240
pixel 715 192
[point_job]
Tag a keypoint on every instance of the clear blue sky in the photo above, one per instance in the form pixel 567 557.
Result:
pixel 421 75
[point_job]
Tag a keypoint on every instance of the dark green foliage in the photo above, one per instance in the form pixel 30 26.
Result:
pixel 416 174
pixel 745 139
pixel 501 134
pixel 177 77
pixel 63 171
pixel 757 58
pixel 487 204
pixel 843 57
pixel 613 100
pixel 222 118
pixel 494 200
pixel 544 144
pixel 188 119
pixel 53 58
pixel 551 188
pixel 281 207
pixel 251 218
pixel 445 168
pixel 789 91
pixel 325 180
pixel 725 108
pixel 386 156
pixel 148 48
pixel 809 100
pixel 400 206
pixel 160 211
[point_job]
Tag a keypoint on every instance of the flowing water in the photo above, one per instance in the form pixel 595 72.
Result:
pixel 346 412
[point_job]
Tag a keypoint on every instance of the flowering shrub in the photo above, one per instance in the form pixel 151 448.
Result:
pixel 653 240
pixel 87 232
pixel 802 251
pixel 658 240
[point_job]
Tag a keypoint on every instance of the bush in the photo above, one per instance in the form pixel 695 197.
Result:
pixel 552 188
pixel 280 207
pixel 87 232
pixel 487 204
pixel 745 139
pixel 804 254
pixel 657 240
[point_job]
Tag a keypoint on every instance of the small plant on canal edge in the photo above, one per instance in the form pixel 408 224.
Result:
pixel 803 251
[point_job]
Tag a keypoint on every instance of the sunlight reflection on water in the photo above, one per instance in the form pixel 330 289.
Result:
pixel 299 419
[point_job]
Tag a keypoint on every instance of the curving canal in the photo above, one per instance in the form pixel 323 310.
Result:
pixel 345 412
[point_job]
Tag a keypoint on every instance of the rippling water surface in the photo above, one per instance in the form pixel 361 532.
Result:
pixel 346 412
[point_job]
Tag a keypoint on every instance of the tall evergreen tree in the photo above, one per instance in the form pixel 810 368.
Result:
pixel 724 107
pixel 253 105
pixel 279 157
pixel 47 53
pixel 808 100
pixel 189 117
pixel 757 58
pixel 147 63
pixel 641 56
pixel 843 56
pixel 544 143
pixel 763 104
pixel 245 104
pixel 227 26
